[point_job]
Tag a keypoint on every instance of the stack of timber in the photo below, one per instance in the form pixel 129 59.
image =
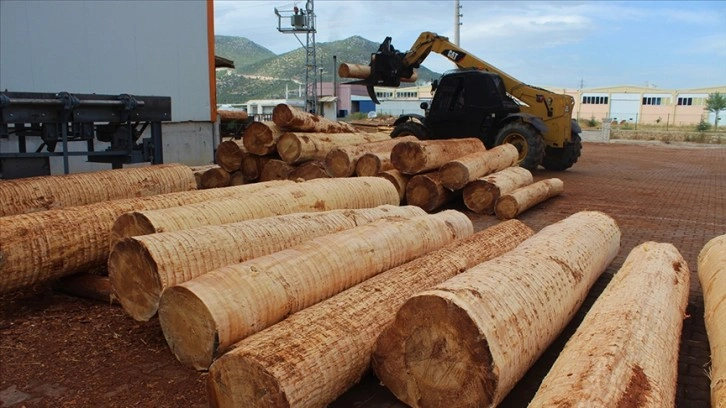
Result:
pixel 44 245
pixel 233 122
pixel 313 195
pixel 141 267
pixel 294 370
pixel 422 159
pixel 625 352
pixel 467 341
pixel 203 317
pixel 52 192
pixel 199 171
pixel 342 161
pixel 456 174
pixel 712 275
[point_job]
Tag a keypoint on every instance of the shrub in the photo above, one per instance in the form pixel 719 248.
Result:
pixel 703 126
pixel 592 122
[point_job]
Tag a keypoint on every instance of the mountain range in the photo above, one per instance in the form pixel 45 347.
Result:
pixel 261 74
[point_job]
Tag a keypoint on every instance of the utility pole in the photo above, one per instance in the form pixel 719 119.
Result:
pixel 303 22
pixel 457 23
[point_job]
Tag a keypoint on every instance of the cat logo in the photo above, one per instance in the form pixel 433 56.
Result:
pixel 455 56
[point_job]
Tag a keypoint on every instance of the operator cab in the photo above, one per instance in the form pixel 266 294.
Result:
pixel 469 103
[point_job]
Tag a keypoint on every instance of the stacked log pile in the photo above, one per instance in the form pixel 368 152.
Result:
pixel 203 317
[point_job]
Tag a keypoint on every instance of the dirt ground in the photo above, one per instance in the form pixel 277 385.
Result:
pixel 61 351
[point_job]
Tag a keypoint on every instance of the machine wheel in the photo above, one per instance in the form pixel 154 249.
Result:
pixel 526 139
pixel 564 158
pixel 410 129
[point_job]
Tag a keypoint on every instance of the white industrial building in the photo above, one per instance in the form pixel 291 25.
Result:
pixel 153 48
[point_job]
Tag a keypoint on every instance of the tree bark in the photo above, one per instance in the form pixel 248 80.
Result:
pixel 229 155
pixel 50 244
pixel 309 171
pixel 203 317
pixel 274 169
pixel 520 200
pixel 426 191
pixel 299 147
pixel 142 267
pixel 467 341
pixel 480 195
pixel 456 174
pixel 351 321
pixel 625 352
pixel 423 156
pixel 291 119
pixel 215 178
pixel 260 138
pixel 313 195
pixel 42 193
pixel 346 70
pixel 712 275
pixel 341 161
pixel 398 179
pixel 370 164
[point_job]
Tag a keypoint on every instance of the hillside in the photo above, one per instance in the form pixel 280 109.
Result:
pixel 264 76
pixel 240 50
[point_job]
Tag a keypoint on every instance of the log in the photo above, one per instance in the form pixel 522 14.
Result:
pixel 309 171
pixel 518 201
pixel 712 275
pixel 42 193
pixel 260 138
pixel 341 161
pixel 273 169
pixel 456 174
pixel 423 156
pixel 288 364
pixel 199 170
pixel 625 351
pixel 229 155
pixel 370 164
pixel 237 178
pixel 398 179
pixel 467 341
pixel 215 178
pixel 481 194
pixel 252 165
pixel 230 115
pixel 426 191
pixel 142 267
pixel 40 246
pixel 285 116
pixel 313 195
pixel 359 71
pixel 203 317
pixel 94 287
pixel 299 147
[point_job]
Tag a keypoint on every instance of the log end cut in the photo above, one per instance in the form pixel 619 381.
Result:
pixel 454 175
pixel 338 164
pixel 180 312
pixel 135 279
pixel 433 354
pixel 253 387
pixel 408 157
pixel 480 196
pixel 289 147
pixel 131 224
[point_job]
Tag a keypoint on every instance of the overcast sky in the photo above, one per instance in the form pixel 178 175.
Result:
pixel 669 44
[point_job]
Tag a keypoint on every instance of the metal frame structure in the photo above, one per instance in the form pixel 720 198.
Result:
pixel 303 21
pixel 63 117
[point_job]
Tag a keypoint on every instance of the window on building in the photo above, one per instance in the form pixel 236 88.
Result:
pixel 685 101
pixel 652 100
pixel 595 100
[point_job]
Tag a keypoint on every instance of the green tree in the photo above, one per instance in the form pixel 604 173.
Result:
pixel 716 103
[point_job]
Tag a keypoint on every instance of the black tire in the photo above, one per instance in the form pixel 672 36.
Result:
pixel 564 158
pixel 410 128
pixel 527 140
